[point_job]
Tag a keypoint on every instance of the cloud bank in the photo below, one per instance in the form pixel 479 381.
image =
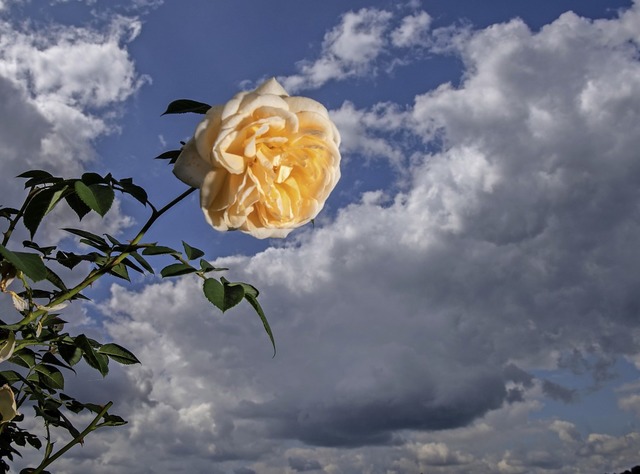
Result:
pixel 411 324
pixel 411 327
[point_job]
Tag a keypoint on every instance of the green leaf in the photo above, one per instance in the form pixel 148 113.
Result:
pixel 119 354
pixel 93 178
pixel 253 301
pixel 138 258
pixel 176 269
pixel 68 259
pixel 214 292
pixel 35 174
pixel 43 250
pixel 132 265
pixel 137 192
pixel 91 243
pixel 223 295
pixel 120 270
pixel 30 264
pixel 10 376
pixel 112 420
pixel 113 240
pixel 191 252
pixel 93 407
pixel 56 280
pixel 233 295
pixel 76 204
pixel 50 376
pixel 49 358
pixel 207 267
pixel 182 106
pixel 87 235
pixel 70 353
pixel 249 289
pixel 42 202
pixel 159 250
pixel 7 212
pixel 24 357
pixel 97 196
pixel 37 177
pixel 97 361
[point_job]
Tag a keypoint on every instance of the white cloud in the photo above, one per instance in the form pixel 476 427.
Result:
pixel 402 327
pixel 370 133
pixel 347 50
pixel 411 30
pixel 513 243
pixel 59 86
pixel 358 44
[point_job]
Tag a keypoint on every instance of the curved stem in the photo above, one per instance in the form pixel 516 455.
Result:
pixel 78 439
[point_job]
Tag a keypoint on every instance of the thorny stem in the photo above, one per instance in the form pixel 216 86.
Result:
pixel 78 439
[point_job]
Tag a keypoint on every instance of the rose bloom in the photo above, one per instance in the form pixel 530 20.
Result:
pixel 265 162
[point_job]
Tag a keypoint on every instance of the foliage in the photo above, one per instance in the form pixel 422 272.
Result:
pixel 35 349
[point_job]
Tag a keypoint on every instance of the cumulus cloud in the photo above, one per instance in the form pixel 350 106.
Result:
pixel 511 250
pixel 404 326
pixel 357 44
pixel 372 133
pixel 411 30
pixel 58 86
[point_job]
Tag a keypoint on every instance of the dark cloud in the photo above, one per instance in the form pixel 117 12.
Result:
pixel 558 392
pixel 244 470
pixel 303 465
pixel 22 128
pixel 372 418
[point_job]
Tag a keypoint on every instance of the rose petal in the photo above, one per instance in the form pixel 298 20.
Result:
pixel 207 132
pixel 271 86
pixel 190 168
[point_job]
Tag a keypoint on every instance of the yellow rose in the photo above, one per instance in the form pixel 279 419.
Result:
pixel 8 409
pixel 265 162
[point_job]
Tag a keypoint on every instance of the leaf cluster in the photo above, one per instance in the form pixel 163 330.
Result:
pixel 36 351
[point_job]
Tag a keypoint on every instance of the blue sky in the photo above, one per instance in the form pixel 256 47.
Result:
pixel 468 298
